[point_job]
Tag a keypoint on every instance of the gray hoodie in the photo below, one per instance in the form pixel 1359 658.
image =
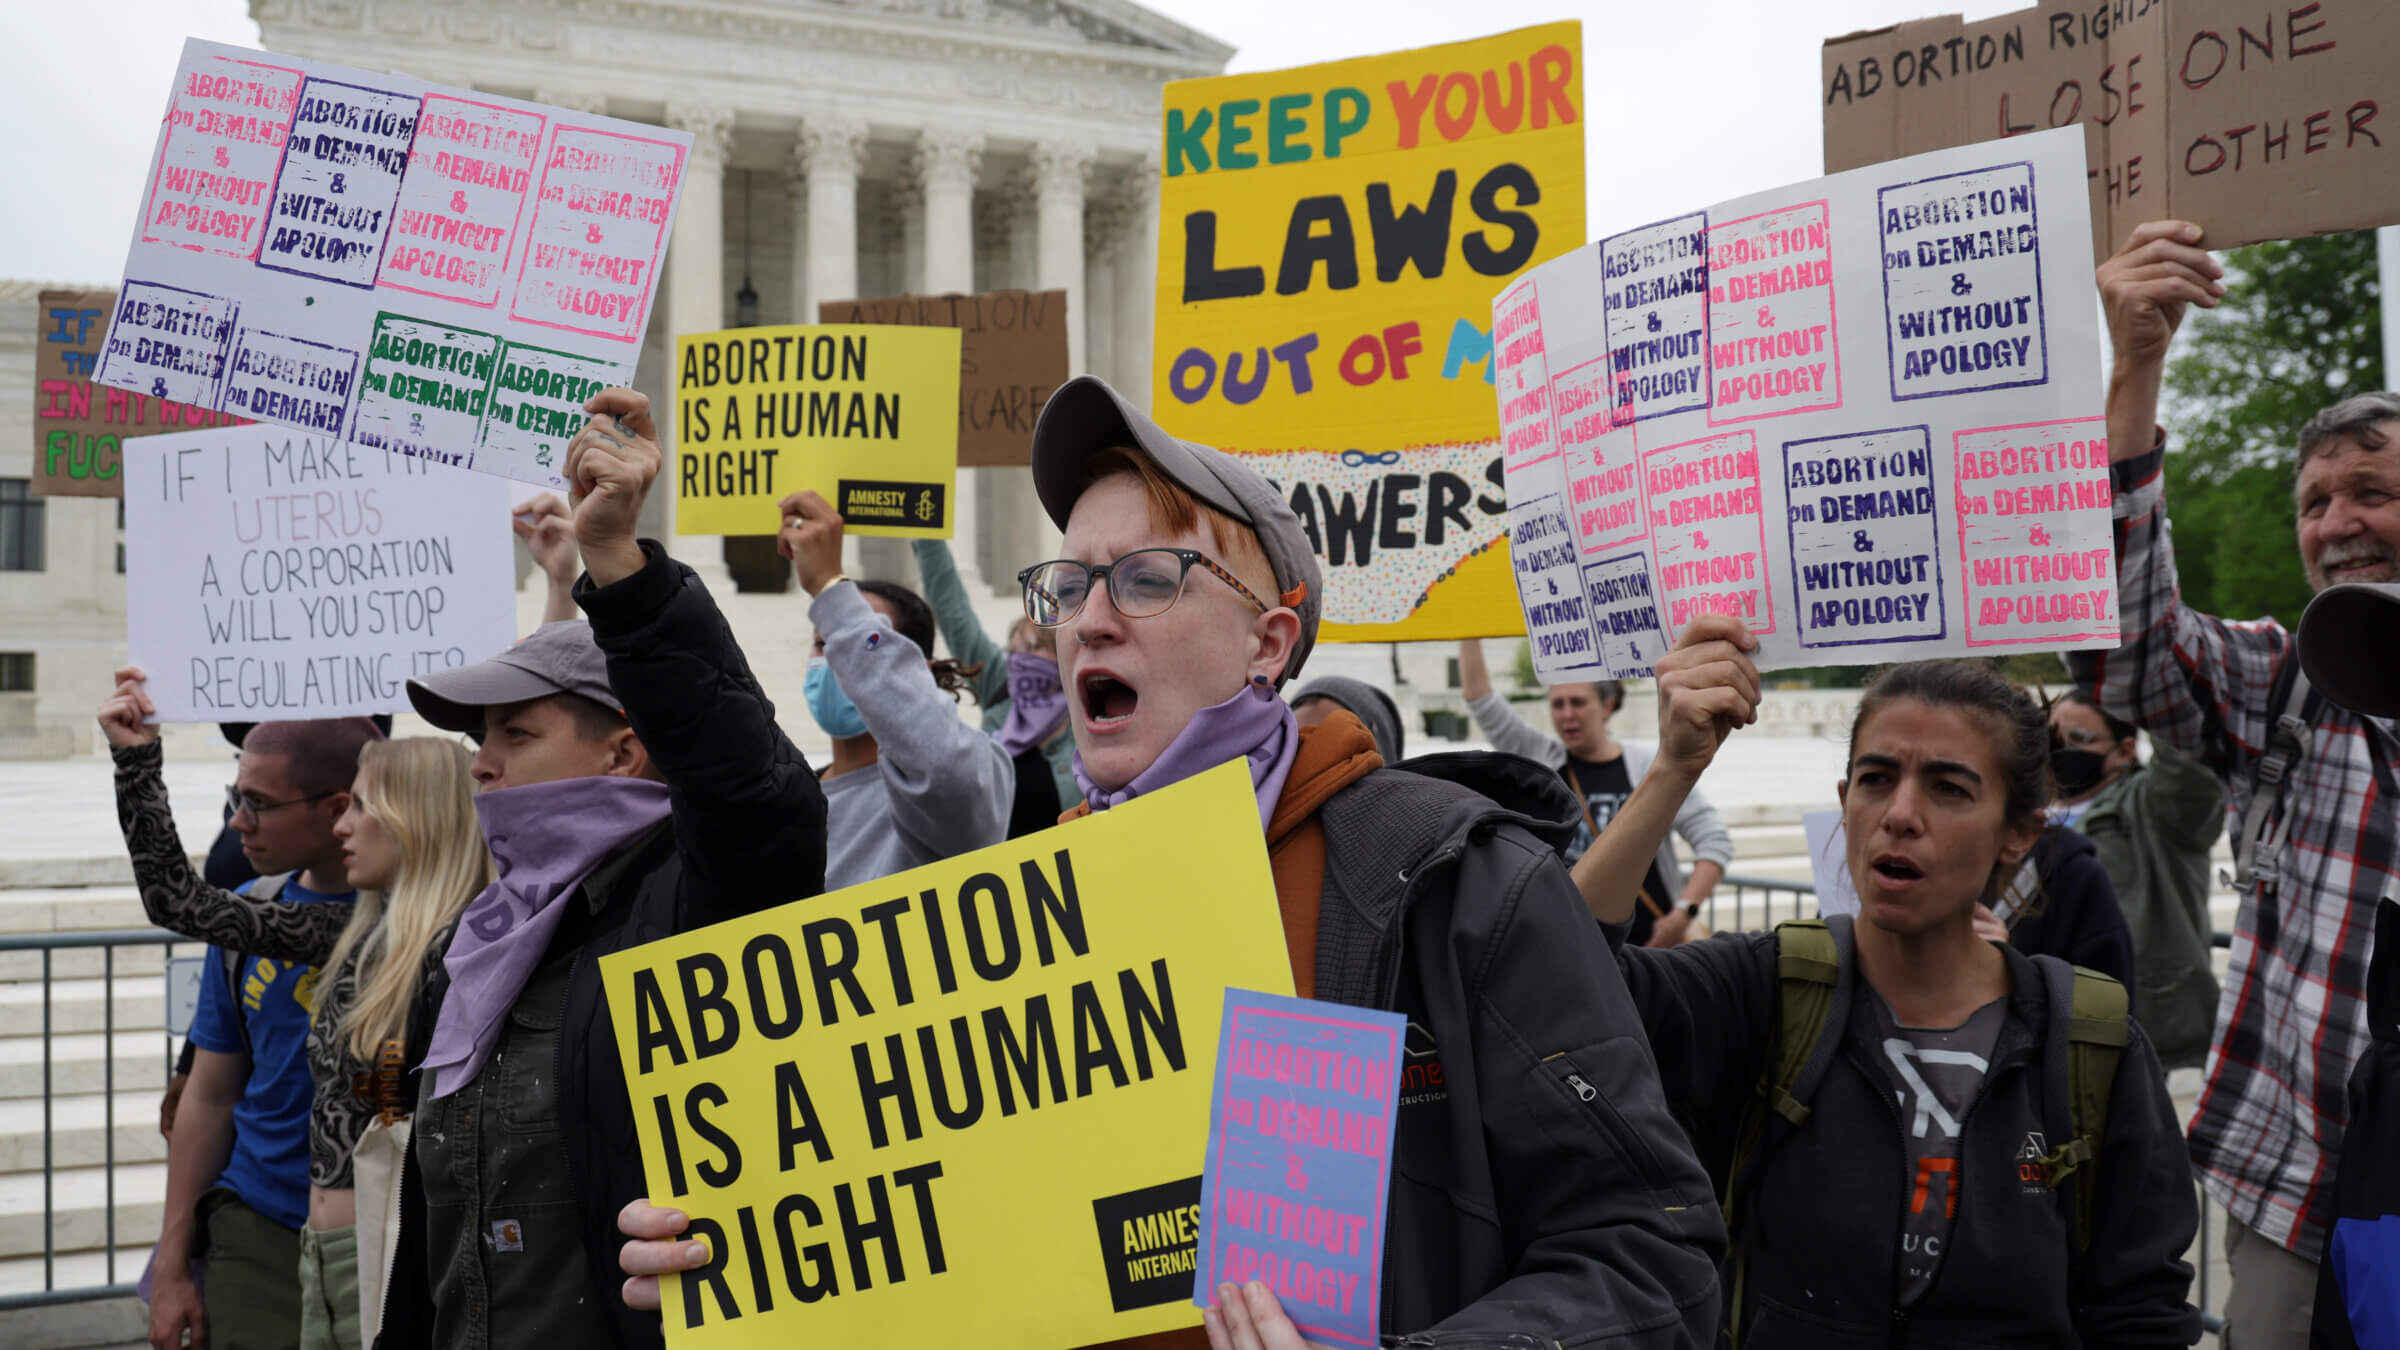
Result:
pixel 939 787
pixel 1369 704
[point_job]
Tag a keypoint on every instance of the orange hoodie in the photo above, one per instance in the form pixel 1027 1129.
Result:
pixel 1333 754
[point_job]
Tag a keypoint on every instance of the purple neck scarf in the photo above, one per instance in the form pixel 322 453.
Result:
pixel 545 840
pixel 1254 723
pixel 1037 703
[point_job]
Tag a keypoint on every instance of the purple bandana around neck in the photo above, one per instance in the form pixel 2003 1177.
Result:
pixel 1255 723
pixel 545 839
pixel 1037 703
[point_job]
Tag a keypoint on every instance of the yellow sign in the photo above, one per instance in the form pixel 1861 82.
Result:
pixel 966 1104
pixel 865 414
pixel 1330 240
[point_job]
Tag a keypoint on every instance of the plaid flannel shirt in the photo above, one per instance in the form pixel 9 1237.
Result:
pixel 2292 1018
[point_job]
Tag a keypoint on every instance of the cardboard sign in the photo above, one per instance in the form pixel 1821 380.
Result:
pixel 275 576
pixel 375 258
pixel 1330 238
pixel 1860 413
pixel 2255 121
pixel 1012 353
pixel 1300 1160
pixel 865 415
pixel 79 428
pixel 972 1095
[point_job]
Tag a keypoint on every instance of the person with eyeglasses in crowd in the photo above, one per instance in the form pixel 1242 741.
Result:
pixel 238 1159
pixel 1524 1209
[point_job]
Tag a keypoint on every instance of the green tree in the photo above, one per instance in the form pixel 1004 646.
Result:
pixel 2301 326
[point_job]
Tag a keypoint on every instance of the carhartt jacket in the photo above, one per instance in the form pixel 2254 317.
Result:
pixel 509 1207
pixel 1542 1194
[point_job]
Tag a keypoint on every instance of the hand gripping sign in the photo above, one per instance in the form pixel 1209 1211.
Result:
pixel 972 1095
pixel 1861 414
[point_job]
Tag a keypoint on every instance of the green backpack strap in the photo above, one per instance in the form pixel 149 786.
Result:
pixel 2095 1029
pixel 1808 965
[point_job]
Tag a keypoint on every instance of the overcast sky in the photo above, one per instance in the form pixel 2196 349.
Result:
pixel 1690 101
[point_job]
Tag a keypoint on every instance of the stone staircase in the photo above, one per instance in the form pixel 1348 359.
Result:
pixel 79 1142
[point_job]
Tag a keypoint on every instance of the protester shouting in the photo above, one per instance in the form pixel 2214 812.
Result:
pixel 411 850
pixel 2152 826
pixel 633 785
pixel 1024 704
pixel 1601 771
pixel 909 783
pixel 1545 1194
pixel 1923 1137
pixel 2309 785
pixel 242 1155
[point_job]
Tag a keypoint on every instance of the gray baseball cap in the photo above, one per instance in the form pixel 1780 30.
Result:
pixel 556 658
pixel 1085 417
pixel 2350 646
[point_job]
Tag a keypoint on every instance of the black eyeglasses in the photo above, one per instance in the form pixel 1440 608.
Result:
pixel 1142 585
pixel 239 804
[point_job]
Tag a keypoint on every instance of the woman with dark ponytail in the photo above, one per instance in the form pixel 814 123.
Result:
pixel 910 782
pixel 1919 1136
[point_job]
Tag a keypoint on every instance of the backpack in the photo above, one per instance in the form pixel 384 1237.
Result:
pixel 2089 1029
pixel 265 888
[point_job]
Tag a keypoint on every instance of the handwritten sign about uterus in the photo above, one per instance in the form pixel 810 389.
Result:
pixel 272 575
pixel 370 257
pixel 1859 414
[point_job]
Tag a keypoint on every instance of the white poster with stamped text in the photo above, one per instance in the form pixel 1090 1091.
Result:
pixel 372 257
pixel 1862 414
pixel 276 576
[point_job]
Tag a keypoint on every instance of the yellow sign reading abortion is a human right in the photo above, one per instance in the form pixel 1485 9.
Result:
pixel 967 1104
pixel 865 414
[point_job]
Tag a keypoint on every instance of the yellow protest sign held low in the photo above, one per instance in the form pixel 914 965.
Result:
pixel 1330 240
pixel 865 414
pixel 963 1105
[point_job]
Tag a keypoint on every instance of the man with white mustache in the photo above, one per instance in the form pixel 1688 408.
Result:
pixel 2308 787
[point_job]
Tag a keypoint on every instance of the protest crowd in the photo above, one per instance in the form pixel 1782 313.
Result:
pixel 413 1113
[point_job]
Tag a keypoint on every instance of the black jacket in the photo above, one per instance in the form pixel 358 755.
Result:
pixel 1821 1210
pixel 1541 1193
pixel 2077 919
pixel 748 833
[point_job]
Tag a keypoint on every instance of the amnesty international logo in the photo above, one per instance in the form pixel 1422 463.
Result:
pixel 865 501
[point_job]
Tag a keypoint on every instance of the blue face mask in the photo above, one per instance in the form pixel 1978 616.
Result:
pixel 836 715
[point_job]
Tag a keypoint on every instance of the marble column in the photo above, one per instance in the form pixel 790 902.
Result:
pixel 944 167
pixel 947 161
pixel 1060 169
pixel 696 293
pixel 829 152
pixel 795 184
pixel 1136 281
pixel 1103 225
pixel 904 211
pixel 1020 197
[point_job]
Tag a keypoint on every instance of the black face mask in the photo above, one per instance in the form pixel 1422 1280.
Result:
pixel 2077 771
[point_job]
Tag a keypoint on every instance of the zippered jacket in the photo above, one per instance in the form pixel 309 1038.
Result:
pixel 1542 1195
pixel 509 1206
pixel 1821 1207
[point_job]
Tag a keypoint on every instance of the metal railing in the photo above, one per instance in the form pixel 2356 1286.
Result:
pixel 1741 904
pixel 13 948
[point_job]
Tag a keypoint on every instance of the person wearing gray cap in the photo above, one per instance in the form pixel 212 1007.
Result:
pixel 1544 1191
pixel 1547 1192
pixel 2308 783
pixel 632 784
pixel 1321 697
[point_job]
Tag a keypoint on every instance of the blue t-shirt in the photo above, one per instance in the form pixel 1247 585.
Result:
pixel 268 1168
